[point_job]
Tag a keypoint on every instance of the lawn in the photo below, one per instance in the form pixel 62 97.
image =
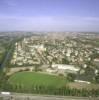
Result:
pixel 28 79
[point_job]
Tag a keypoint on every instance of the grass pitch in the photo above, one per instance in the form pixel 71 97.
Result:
pixel 29 79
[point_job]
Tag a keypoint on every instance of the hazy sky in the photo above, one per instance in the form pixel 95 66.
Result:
pixel 49 15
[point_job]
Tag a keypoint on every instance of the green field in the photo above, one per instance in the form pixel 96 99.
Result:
pixel 28 79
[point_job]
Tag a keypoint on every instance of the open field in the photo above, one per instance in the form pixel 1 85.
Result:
pixel 29 79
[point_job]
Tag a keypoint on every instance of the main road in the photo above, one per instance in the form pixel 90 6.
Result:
pixel 17 96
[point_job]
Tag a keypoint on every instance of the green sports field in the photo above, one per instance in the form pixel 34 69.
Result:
pixel 28 79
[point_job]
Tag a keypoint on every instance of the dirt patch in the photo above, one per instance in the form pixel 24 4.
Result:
pixel 83 85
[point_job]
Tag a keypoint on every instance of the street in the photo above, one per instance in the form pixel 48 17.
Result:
pixel 41 97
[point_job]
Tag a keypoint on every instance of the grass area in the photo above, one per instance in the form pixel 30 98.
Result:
pixel 28 79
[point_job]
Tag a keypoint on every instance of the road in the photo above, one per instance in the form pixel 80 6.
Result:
pixel 7 55
pixel 41 97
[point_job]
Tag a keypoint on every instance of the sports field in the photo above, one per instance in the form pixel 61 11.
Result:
pixel 28 79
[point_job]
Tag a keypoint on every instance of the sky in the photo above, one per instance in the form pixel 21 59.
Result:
pixel 49 15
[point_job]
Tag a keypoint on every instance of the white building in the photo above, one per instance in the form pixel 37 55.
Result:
pixel 67 68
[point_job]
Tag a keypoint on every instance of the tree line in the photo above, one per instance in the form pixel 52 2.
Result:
pixel 41 89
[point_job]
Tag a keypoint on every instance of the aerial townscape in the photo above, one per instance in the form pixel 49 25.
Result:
pixel 50 63
pixel 49 49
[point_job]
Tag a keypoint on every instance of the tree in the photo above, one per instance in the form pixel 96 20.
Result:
pixel 97 78
pixel 65 61
pixel 71 77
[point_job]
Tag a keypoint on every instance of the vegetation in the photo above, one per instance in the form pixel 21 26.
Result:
pixel 43 84
pixel 71 77
pixel 97 78
pixel 7 43
pixel 28 79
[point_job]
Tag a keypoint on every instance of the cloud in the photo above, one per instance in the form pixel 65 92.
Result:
pixel 92 18
pixel 48 23
pixel 27 23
